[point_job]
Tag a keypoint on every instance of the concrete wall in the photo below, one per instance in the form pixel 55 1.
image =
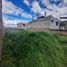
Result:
pixel 22 25
pixel 53 24
pixel 40 24
pixel 45 23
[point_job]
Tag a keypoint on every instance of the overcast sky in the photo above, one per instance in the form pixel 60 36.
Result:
pixel 24 10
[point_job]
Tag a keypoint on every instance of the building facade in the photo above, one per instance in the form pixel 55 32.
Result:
pixel 22 25
pixel 45 23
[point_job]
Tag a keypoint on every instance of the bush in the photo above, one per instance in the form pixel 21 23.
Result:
pixel 39 49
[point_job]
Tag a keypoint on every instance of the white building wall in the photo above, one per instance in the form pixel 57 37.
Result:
pixel 53 24
pixel 40 25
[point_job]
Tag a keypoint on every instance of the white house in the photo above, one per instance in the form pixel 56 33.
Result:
pixel 48 22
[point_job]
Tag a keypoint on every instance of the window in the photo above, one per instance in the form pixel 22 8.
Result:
pixel 62 24
pixel 52 21
pixel 23 24
pixel 57 23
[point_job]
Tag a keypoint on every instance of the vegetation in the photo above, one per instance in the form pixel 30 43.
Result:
pixel 37 49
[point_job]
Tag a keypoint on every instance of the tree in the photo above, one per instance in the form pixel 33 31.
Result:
pixel 1 28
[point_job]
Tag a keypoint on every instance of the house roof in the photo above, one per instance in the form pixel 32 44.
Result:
pixel 45 18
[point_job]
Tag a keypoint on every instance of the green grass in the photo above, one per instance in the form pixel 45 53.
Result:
pixel 37 49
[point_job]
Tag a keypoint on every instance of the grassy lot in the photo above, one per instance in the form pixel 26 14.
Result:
pixel 37 49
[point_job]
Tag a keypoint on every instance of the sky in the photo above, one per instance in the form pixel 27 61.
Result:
pixel 15 11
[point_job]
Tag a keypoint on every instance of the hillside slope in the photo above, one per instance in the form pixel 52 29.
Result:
pixel 37 49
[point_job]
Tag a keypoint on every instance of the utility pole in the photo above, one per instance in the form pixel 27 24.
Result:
pixel 1 29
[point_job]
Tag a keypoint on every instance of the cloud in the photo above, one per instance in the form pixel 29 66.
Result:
pixel 65 1
pixel 62 10
pixel 55 10
pixel 36 7
pixel 8 7
pixel 11 9
pixel 26 2
pixel 9 23
pixel 51 8
pixel 46 2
